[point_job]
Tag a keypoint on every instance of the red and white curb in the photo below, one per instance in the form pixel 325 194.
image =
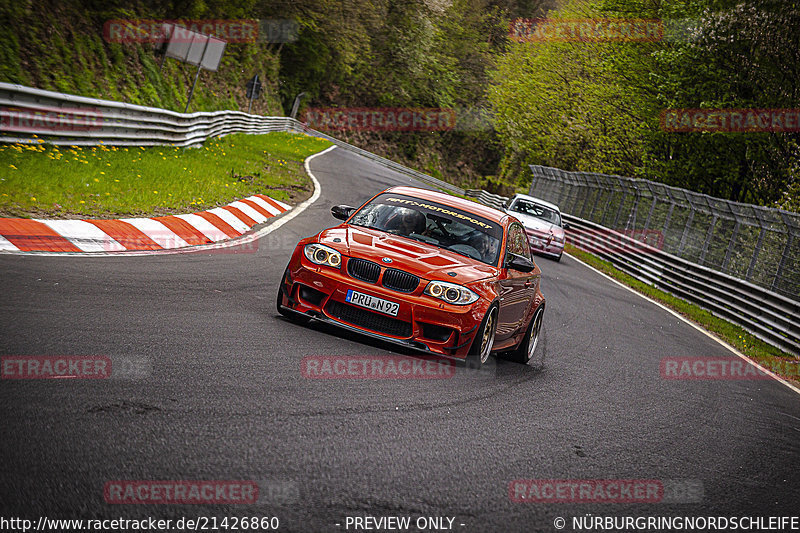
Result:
pixel 139 234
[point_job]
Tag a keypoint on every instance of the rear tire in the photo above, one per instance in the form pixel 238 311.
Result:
pixel 484 340
pixel 527 345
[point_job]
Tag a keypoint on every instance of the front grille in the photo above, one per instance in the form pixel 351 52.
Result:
pixel 363 270
pixel 399 281
pixel 368 320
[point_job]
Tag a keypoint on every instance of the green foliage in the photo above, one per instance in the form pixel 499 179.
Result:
pixel 596 106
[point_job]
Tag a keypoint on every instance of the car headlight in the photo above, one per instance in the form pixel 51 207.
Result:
pixel 322 255
pixel 450 293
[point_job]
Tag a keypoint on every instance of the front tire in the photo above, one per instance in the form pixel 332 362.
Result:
pixel 527 345
pixel 484 340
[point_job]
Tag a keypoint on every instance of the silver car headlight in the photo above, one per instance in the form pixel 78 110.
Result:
pixel 322 255
pixel 451 293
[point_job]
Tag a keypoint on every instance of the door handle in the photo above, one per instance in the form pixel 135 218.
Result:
pixel 528 283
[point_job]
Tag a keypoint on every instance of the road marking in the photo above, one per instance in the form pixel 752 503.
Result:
pixel 5 244
pixel 249 211
pixel 234 221
pixel 220 223
pixel 204 226
pixel 165 237
pixel 265 205
pixel 695 326
pixel 87 237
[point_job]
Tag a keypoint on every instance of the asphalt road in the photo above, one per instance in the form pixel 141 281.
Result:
pixel 212 390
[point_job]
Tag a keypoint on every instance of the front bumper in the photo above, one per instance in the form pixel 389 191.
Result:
pixel 422 322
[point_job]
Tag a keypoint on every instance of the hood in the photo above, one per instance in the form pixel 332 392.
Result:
pixel 537 224
pixel 424 260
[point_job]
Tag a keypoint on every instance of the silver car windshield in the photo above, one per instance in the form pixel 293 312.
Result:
pixel 526 207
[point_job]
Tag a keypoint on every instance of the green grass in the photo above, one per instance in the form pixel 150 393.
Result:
pixel 107 182
pixel 770 357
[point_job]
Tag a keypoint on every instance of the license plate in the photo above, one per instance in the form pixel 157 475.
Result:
pixel 371 302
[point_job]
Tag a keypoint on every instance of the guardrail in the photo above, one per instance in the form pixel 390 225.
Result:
pixel 76 120
pixel 748 242
pixel 28 115
pixel 767 315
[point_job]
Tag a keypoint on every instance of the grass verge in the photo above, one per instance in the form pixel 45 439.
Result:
pixel 107 181
pixel 768 356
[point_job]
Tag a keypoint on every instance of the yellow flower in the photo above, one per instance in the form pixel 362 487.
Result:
pixel 96 179
pixel 155 192
pixel 33 198
pixel 12 166
pixel 83 202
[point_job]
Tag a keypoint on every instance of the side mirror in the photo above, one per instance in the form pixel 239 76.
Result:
pixel 520 263
pixel 342 212
pixel 566 225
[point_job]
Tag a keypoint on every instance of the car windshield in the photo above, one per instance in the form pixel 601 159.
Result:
pixel 527 207
pixel 433 223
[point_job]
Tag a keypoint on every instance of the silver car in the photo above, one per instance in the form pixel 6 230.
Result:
pixel 543 224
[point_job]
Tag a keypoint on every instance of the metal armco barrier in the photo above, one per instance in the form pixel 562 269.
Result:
pixel 769 316
pixel 748 242
pixel 30 115
pixel 487 198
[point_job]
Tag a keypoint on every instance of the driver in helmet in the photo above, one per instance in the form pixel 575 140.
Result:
pixel 407 221
pixel 486 246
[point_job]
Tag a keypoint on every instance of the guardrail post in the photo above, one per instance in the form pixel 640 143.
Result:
pixel 757 250
pixel 728 252
pixel 782 264
pixel 650 212
pixel 588 190
pixel 669 216
pixel 600 188
pixel 686 229
pixel 709 234
pixel 623 197
pixel 630 224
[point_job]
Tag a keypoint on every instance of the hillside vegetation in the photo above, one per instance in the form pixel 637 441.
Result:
pixel 590 106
